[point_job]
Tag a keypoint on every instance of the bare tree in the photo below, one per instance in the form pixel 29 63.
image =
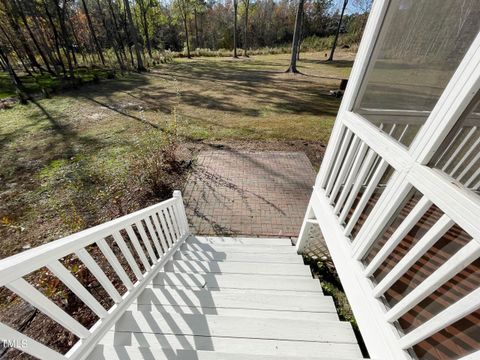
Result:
pixel 93 33
pixel 246 3
pixel 296 38
pixel 330 58
pixel 134 37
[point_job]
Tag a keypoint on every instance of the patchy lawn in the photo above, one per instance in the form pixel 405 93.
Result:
pixel 68 162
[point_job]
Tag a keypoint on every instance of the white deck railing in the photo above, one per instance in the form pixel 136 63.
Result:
pixel 367 180
pixel 154 233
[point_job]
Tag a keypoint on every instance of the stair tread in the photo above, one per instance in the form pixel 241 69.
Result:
pixel 239 257
pixel 253 249
pixel 237 281
pixel 146 353
pixel 235 327
pixel 276 314
pixel 315 302
pixel 243 241
pixel 218 267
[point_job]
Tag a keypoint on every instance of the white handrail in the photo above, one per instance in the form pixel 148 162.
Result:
pixel 163 220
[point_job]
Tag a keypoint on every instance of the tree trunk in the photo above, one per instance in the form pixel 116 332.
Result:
pixel 118 35
pixel 18 31
pixel 110 36
pixel 245 35
pixel 196 28
pixel 64 32
pixel 330 58
pixel 32 36
pixel 300 36
pixel 92 31
pixel 15 50
pixel 296 37
pixel 235 8
pixel 143 10
pixel 186 34
pixel 134 37
pixel 17 83
pixel 55 38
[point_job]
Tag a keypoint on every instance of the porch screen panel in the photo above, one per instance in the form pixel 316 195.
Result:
pixel 459 154
pixel 421 44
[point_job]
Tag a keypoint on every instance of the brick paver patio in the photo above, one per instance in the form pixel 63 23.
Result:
pixel 249 193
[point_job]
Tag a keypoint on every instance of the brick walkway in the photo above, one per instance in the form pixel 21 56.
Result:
pixel 249 193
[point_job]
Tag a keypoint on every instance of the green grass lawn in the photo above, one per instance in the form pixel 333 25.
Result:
pixel 76 159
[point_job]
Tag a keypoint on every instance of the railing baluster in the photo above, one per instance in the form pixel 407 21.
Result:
pixel 160 232
pixel 138 248
pixel 347 163
pixel 446 271
pixel 339 158
pixel 154 236
pixel 377 176
pixel 464 158
pixel 127 254
pixel 77 288
pixel 369 159
pixel 173 218
pixel 181 213
pixel 416 252
pixel 403 229
pixel 92 265
pixel 113 261
pixel 32 347
pixel 351 177
pixel 146 241
pixel 454 312
pixel 165 228
pixel 465 140
pixel 170 225
pixel 26 291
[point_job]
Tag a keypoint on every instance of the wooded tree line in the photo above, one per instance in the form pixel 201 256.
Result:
pixel 59 36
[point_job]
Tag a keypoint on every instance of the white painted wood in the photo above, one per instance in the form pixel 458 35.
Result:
pixel 250 313
pixel 468 167
pixel 83 347
pixel 77 288
pixel 181 212
pixel 371 187
pixel 359 181
pixel 453 157
pixel 346 167
pixel 237 281
pixel 114 263
pixel 220 267
pixel 168 235
pixel 154 236
pixel 244 241
pixel 171 229
pixel 454 312
pixel 129 352
pixel 25 262
pixel 450 268
pixel 333 177
pixel 138 248
pixel 368 311
pixel 461 162
pixel 351 177
pixel 314 302
pixel 146 241
pixel 304 230
pixel 403 229
pixel 90 263
pixel 127 254
pixel 473 356
pixel 163 241
pixel 236 327
pixel 239 257
pixel 234 345
pixel 252 249
pixel 24 343
pixel 416 252
pixel 46 306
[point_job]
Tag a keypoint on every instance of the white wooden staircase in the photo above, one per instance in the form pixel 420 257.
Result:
pixel 231 298
pixel 187 297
